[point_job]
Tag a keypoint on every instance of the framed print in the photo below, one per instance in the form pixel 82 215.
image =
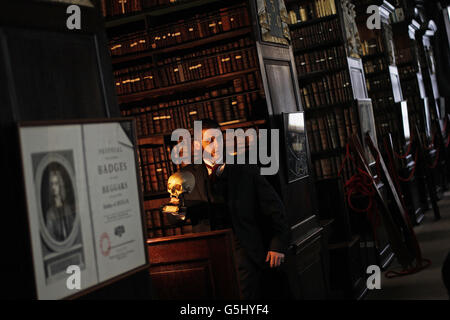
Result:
pixel 296 146
pixel 83 203
pixel 367 123
pixel 273 21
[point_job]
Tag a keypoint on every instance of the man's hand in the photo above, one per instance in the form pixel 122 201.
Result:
pixel 275 258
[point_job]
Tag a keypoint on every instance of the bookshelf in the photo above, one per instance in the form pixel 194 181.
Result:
pixel 425 35
pixel 326 86
pixel 428 62
pixel 382 75
pixel 175 62
pixel 419 80
pixel 334 95
pixel 411 77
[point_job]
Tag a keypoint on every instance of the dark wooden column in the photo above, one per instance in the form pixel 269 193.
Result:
pixel 279 77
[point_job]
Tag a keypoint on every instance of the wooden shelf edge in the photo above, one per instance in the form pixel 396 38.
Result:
pixel 313 110
pixel 156 195
pixel 319 46
pixel 158 138
pixel 318 74
pixel 328 153
pixel 199 42
pixel 181 86
pixel 194 235
pixel 243 124
pixel 312 21
pixel 236 94
pixel 183 46
pixel 116 21
pixel 373 56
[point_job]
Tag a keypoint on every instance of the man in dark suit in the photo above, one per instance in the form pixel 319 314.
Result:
pixel 238 197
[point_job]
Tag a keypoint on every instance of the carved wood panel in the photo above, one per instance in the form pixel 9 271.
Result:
pixel 195 266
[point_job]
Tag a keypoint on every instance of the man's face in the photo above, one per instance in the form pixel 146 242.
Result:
pixel 213 147
pixel 210 144
pixel 54 185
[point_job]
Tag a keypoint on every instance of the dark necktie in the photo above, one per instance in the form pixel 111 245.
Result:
pixel 213 169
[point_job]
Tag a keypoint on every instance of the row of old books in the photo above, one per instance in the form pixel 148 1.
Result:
pixel 385 122
pixel 373 46
pixel 332 166
pixel 329 90
pixel 141 77
pixel 327 96
pixel 156 120
pixel 145 77
pixel 410 85
pixel 120 7
pixel 416 112
pixel 404 55
pixel 158 3
pixel 226 103
pixel 317 34
pixel 408 76
pixel 331 131
pixel 408 72
pixel 379 83
pixel 408 68
pixel 156 168
pixel 407 63
pixel 386 119
pixel 229 47
pixel 312 10
pixel 375 65
pixel 159 226
pixel 198 27
pixel 324 60
pixel 130 43
pixel 112 8
pixel 382 102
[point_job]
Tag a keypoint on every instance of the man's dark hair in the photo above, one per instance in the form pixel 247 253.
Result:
pixel 209 124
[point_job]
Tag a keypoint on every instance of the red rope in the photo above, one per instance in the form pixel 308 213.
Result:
pixel 362 184
pixel 346 158
pixel 423 264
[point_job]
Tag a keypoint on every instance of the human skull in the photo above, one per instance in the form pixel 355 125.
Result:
pixel 180 182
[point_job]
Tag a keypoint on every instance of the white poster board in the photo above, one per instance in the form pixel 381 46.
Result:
pixel 84 205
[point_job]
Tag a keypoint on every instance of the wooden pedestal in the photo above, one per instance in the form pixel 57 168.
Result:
pixel 195 266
